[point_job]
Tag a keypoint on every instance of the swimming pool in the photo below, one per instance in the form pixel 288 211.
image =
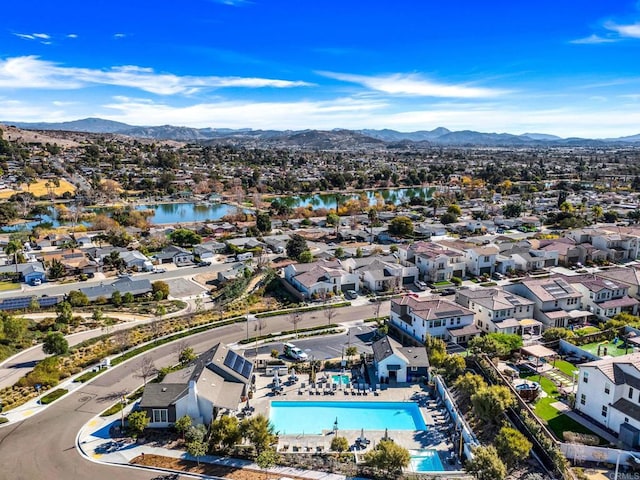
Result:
pixel 344 379
pixel 426 461
pixel 314 417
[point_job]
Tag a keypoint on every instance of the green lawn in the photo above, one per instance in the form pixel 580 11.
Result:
pixel 586 330
pixel 565 367
pixel 557 421
pixel 613 350
pixel 4 286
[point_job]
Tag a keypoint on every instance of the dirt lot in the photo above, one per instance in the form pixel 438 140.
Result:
pixel 204 468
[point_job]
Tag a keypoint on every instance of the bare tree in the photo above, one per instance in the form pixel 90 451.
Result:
pixel 376 309
pixel 294 319
pixel 147 368
pixel 156 328
pixel 179 347
pixel 329 314
pixel 121 339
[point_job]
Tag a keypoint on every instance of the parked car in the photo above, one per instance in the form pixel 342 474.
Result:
pixel 203 264
pixel 159 270
pixel 448 291
pixel 351 294
pixel 421 285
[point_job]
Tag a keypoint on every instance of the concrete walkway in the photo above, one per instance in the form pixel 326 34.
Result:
pixel 564 408
pixel 95 443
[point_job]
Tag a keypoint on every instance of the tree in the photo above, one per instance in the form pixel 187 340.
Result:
pixel 329 313
pixel 489 404
pixel 65 313
pixel 116 299
pixel 77 299
pixel 128 298
pixel 507 342
pixel 339 252
pixel 556 333
pixel 197 449
pixel 401 225
pixel 183 424
pixel 56 269
pixel 389 457
pixel 259 431
pixel 267 458
pixel 146 368
pixel 454 209
pixel 512 446
pixel 263 222
pixel 294 319
pixel 436 350
pixel 597 212
pixel 333 219
pixel 339 444
pixel 160 289
pixel 13 248
pixel 512 210
pixel 225 431
pixel 468 384
pixel 97 315
pixel 485 344
pixel 453 366
pixel 351 351
pixel 306 257
pixel 55 344
pixel 187 355
pixel 196 433
pixel 447 218
pixel 295 246
pixel 486 464
pixel 137 422
pixel 183 237
pixel 15 328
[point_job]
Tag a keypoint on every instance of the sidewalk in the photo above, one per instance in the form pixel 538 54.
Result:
pixel 96 444
pixel 564 408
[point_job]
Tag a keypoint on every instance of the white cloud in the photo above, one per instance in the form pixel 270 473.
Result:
pixel 43 36
pixel 72 35
pixel 233 3
pixel 32 72
pixel 119 35
pixel 26 36
pixel 631 30
pixel 592 40
pixel 412 84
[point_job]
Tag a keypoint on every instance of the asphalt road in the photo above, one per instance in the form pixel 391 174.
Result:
pixel 43 446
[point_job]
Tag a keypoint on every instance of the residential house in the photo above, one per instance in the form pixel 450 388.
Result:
pixel 218 380
pixel 481 260
pixel 608 392
pixel 123 285
pixel 27 272
pixel 556 303
pixel 208 250
pixel 434 262
pixel 174 254
pixel 497 311
pixel 318 279
pixel 135 260
pixel 605 298
pixel 627 276
pixel 381 274
pixel 396 363
pixel 619 247
pixel 527 259
pixel 432 316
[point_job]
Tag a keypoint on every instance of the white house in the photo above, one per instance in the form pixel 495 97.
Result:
pixel 609 393
pixel 497 311
pixel 481 260
pixel 604 298
pixel 557 304
pixel 219 379
pixel 433 316
pixel 398 363
pixel 434 262
pixel 318 279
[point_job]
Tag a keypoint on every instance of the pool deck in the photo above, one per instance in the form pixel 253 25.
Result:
pixel 438 435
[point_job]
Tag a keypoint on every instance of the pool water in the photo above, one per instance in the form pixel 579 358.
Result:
pixel 344 379
pixel 426 461
pixel 314 417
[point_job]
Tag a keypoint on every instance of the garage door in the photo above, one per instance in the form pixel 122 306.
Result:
pixel 348 286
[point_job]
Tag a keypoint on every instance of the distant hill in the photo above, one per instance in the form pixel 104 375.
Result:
pixel 322 139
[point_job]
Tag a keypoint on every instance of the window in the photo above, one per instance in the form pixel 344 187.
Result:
pixel 585 377
pixel 604 410
pixel 607 388
pixel 414 369
pixel 486 259
pixel 159 415
pixel 630 393
pixel 583 399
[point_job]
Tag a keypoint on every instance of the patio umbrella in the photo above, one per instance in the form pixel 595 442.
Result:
pixel 386 434
pixel 276 381
pixel 335 426
pixel 247 406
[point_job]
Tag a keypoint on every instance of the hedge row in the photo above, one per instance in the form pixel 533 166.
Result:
pixel 331 326
pixel 53 396
pixel 303 309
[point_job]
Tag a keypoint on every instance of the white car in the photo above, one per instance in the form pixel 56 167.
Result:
pixel 294 352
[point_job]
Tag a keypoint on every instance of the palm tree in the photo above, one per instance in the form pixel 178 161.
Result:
pixel 13 248
pixel 597 211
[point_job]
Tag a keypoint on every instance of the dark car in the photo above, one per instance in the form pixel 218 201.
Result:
pixel 448 291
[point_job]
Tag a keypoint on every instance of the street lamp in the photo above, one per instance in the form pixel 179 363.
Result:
pixel 123 401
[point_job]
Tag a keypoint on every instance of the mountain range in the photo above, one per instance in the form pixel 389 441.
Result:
pixel 323 139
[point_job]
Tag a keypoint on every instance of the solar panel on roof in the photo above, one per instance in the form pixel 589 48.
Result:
pixel 238 364
pixel 229 359
pixel 246 370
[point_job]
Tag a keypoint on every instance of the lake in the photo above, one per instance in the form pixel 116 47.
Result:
pixel 394 196
pixel 163 213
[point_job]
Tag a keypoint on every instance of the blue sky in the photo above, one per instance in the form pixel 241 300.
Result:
pixel 568 67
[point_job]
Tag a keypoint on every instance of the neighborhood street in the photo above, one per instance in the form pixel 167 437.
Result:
pixel 46 442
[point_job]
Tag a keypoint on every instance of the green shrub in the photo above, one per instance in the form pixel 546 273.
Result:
pixel 53 396
pixel 3 420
